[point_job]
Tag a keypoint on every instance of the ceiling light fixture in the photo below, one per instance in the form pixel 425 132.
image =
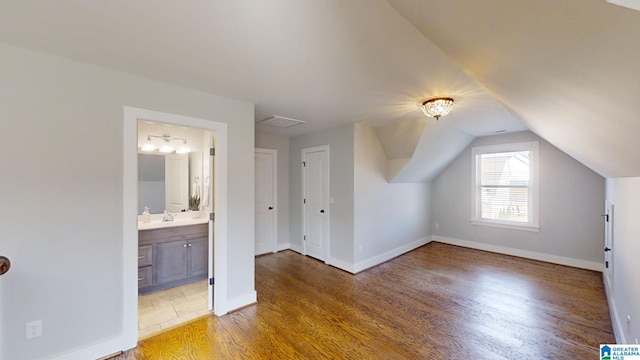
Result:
pixel 437 107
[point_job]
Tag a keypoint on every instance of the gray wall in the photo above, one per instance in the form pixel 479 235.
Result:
pixel 387 216
pixel 571 202
pixel 623 292
pixel 281 144
pixel 62 189
pixel 340 141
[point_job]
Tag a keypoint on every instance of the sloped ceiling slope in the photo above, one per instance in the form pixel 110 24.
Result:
pixel 418 150
pixel 569 70
pixel 327 62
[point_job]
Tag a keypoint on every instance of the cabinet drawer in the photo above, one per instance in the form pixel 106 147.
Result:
pixel 145 255
pixel 144 277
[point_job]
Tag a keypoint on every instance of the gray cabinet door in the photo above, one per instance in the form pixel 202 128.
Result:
pixel 198 259
pixel 172 261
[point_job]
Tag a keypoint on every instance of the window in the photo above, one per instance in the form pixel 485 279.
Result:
pixel 505 185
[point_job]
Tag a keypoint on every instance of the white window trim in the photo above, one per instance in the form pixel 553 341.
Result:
pixel 533 224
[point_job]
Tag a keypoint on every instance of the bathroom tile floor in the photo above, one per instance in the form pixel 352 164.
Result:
pixel 163 309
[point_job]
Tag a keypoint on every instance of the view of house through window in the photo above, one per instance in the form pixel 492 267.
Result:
pixel 504 184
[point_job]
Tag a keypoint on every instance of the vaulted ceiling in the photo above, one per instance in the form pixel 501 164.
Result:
pixel 566 69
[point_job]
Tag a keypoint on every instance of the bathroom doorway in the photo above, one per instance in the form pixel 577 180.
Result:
pixel 211 198
pixel 174 207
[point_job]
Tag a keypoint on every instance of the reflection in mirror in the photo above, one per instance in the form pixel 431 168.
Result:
pixel 171 180
pixel 151 183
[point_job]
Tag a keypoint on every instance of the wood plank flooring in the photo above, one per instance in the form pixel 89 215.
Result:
pixel 436 302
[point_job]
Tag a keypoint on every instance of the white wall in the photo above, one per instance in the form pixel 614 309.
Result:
pixel 387 216
pixel 281 144
pixel 624 194
pixel 340 141
pixel 571 204
pixel 62 193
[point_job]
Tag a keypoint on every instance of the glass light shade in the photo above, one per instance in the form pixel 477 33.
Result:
pixel 183 150
pixel 437 107
pixel 167 149
pixel 148 146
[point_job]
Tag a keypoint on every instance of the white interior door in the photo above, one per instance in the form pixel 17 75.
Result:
pixel 315 179
pixel 608 244
pixel 176 181
pixel 266 198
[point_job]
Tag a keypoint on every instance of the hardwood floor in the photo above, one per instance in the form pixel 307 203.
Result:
pixel 436 302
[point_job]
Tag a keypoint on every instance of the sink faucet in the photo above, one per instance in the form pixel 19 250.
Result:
pixel 167 216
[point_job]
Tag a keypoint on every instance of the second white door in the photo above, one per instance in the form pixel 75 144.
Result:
pixel 315 180
pixel 265 195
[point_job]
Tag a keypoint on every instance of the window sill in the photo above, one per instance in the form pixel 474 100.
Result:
pixel 532 228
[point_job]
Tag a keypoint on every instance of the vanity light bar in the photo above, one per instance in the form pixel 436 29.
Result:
pixel 166 146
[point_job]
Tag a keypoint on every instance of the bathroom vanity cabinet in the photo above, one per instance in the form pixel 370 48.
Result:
pixel 172 256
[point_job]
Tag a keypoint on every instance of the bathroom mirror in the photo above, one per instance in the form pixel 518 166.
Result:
pixel 168 180
pixel 151 184
pixel 163 182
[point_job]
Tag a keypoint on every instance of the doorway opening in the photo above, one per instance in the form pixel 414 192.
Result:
pixel 174 189
pixel 202 257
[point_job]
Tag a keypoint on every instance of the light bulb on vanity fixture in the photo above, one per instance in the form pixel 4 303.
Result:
pixel 167 149
pixel 183 148
pixel 148 145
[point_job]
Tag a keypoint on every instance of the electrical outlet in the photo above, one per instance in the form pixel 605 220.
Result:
pixel 636 341
pixel 437 226
pixel 360 248
pixel 34 329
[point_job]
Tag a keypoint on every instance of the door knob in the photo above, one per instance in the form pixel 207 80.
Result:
pixel 607 249
pixel 270 207
pixel 321 211
pixel 5 264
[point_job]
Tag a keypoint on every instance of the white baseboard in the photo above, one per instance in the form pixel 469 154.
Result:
pixel 379 259
pixel 341 264
pixel 561 260
pixel 616 322
pixel 93 351
pixel 241 302
pixel 289 246
pixel 366 264
pixel 283 246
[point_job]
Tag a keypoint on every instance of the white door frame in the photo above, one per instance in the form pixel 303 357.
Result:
pixel 130 213
pixel 327 225
pixel 608 243
pixel 274 153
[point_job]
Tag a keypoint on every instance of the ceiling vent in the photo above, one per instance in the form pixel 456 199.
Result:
pixel 279 121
